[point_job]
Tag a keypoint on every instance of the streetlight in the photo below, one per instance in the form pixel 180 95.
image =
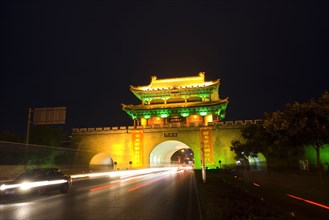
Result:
pixel 203 163
pixel 27 138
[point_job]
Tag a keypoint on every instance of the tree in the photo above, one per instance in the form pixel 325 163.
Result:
pixel 256 141
pixel 314 126
pixel 282 127
pixel 284 134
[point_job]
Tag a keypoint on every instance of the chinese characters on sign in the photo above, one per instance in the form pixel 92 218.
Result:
pixel 171 134
pixel 206 143
pixel 175 119
pixel 137 146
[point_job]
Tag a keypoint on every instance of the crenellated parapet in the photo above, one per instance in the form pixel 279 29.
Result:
pixel 125 129
pixel 240 122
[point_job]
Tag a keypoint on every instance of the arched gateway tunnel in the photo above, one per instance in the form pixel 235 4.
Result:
pixel 139 147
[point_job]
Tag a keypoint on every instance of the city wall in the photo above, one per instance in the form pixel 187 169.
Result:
pixel 118 142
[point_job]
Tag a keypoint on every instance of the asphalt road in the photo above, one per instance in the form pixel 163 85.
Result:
pixel 164 195
pixel 304 196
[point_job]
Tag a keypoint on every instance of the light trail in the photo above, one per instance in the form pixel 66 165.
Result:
pixel 145 184
pixel 255 184
pixel 155 180
pixel 296 197
pixel 29 185
pixel 104 187
pixel 117 182
pixel 124 173
pixel 309 201
pixel 131 175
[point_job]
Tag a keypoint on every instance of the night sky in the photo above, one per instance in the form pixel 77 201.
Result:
pixel 85 55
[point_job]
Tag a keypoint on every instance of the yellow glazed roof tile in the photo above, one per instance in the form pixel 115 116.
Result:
pixel 178 82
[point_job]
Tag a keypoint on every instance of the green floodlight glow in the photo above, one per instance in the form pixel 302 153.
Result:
pixel 185 114
pixel 131 115
pixel 164 115
pixel 203 113
pixel 147 116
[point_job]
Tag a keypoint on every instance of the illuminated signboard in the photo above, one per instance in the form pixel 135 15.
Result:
pixel 206 143
pixel 175 119
pixel 137 147
pixel 170 134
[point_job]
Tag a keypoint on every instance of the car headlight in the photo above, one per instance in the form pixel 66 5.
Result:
pixel 25 186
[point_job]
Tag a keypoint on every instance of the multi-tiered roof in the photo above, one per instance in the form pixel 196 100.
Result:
pixel 181 96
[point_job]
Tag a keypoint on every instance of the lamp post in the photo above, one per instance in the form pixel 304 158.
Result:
pixel 27 137
pixel 203 168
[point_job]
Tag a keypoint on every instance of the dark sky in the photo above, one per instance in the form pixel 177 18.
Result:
pixel 86 55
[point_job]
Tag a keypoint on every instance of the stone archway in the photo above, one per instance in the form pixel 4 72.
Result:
pixel 101 161
pixel 161 154
pixel 257 163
